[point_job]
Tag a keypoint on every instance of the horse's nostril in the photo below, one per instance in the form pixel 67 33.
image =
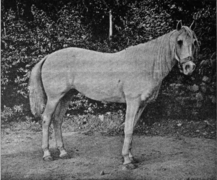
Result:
pixel 194 66
pixel 187 66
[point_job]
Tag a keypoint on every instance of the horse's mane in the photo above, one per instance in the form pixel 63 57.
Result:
pixel 157 55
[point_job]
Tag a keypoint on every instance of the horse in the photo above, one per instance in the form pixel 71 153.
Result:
pixel 132 76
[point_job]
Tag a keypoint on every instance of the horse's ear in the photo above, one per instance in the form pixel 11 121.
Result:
pixel 179 25
pixel 192 26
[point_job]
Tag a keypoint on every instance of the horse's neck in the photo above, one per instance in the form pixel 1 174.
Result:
pixel 164 61
pixel 155 57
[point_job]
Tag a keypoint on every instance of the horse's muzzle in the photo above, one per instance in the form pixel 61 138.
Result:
pixel 188 67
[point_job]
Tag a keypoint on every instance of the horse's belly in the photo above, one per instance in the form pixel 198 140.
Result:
pixel 100 87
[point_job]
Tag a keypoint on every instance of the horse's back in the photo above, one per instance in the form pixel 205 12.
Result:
pixel 97 75
pixel 82 60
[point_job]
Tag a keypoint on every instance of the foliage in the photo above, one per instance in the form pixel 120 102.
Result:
pixel 31 29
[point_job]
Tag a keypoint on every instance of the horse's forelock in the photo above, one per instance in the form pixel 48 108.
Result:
pixel 193 36
pixel 190 32
pixel 175 34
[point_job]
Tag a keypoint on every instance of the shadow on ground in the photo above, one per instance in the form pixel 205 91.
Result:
pixel 160 157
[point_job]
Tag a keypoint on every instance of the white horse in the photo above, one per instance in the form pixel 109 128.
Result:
pixel 132 76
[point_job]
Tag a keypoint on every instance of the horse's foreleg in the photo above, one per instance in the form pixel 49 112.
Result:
pixel 138 115
pixel 131 112
pixel 46 118
pixel 57 124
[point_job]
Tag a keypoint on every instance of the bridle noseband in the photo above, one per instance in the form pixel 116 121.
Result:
pixel 183 61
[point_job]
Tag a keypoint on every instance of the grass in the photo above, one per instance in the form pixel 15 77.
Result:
pixel 113 124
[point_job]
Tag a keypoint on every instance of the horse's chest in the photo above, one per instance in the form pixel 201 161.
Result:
pixel 150 94
pixel 142 86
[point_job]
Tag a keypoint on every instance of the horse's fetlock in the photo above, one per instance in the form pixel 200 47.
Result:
pixel 125 154
pixel 45 148
pixel 60 148
pixel 126 160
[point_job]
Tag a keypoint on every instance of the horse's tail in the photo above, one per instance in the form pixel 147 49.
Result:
pixel 37 96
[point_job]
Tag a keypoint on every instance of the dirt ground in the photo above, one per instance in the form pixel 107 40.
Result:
pixel 99 157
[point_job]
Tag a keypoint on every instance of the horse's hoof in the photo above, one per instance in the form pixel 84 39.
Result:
pixel 64 156
pixel 134 160
pixel 48 158
pixel 129 166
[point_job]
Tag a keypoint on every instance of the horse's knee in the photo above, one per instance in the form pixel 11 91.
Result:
pixel 45 122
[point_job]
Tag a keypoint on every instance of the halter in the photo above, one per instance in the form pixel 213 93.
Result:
pixel 185 60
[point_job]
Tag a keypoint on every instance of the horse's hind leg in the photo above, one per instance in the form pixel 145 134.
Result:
pixel 57 124
pixel 46 117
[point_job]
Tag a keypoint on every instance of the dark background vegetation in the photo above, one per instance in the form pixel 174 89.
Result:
pixel 32 29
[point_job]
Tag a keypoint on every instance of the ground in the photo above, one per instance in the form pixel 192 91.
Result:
pixel 98 156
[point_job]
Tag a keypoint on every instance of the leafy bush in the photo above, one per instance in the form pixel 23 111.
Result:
pixel 24 43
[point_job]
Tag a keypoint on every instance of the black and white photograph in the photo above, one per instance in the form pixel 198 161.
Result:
pixel 108 90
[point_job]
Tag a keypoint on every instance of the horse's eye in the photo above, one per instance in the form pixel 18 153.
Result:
pixel 180 42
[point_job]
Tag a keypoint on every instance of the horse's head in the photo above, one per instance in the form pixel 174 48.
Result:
pixel 186 48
